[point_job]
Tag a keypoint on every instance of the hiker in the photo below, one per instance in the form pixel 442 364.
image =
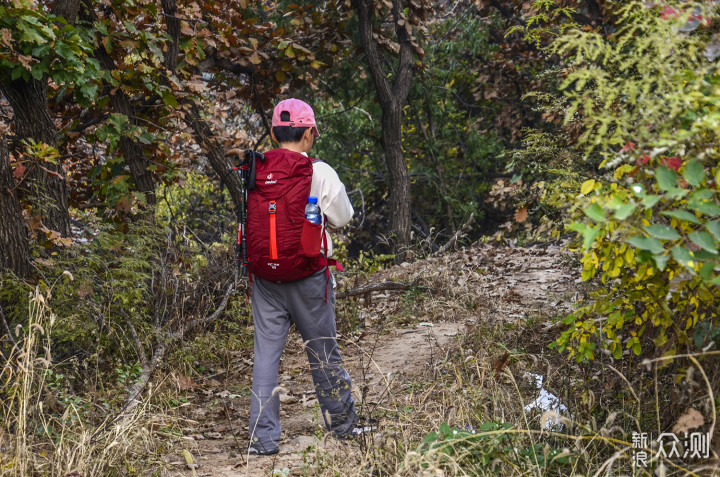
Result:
pixel 290 286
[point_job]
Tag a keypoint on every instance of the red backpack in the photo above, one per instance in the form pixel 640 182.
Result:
pixel 282 246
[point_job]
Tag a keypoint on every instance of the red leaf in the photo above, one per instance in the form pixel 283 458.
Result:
pixel 642 160
pixel 669 13
pixel 628 147
pixel 673 163
pixel 19 171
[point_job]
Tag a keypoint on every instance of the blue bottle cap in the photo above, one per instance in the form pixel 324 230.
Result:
pixel 312 200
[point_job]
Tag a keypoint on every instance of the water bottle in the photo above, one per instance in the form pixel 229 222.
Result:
pixel 312 211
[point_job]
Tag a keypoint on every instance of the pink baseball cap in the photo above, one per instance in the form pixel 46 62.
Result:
pixel 301 115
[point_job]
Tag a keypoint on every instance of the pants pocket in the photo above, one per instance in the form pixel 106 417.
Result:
pixel 311 239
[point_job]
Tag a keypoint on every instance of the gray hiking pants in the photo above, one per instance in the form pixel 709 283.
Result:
pixel 275 306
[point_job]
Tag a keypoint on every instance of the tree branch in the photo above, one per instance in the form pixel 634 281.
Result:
pixel 365 9
pixel 453 240
pixel 208 319
pixel 6 328
pixel 406 63
pixel 388 285
pixel 138 344
pixel 136 389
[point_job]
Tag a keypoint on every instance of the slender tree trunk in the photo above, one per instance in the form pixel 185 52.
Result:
pixel 48 190
pixel 399 176
pixel 392 98
pixel 221 164
pixel 133 151
pixel 14 254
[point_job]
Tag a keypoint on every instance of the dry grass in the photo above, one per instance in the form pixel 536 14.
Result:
pixel 481 384
pixel 37 441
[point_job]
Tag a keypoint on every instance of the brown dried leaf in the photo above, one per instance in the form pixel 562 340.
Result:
pixel 19 171
pixel 25 61
pixel 196 87
pixel 186 382
pixel 501 362
pixel 6 37
pixel 185 29
pixel 521 215
pixel 692 419
pixel 85 290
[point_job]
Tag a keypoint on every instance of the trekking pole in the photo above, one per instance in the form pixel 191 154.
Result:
pixel 246 168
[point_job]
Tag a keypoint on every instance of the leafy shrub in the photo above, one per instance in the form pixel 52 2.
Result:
pixel 648 97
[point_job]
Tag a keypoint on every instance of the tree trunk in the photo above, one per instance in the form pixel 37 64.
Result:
pixel 48 190
pixel 392 98
pixel 399 177
pixel 14 254
pixel 132 150
pixel 215 151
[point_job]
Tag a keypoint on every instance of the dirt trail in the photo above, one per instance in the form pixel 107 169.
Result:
pixel 476 284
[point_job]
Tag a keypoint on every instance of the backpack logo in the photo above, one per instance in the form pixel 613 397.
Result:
pixel 269 176
pixel 273 265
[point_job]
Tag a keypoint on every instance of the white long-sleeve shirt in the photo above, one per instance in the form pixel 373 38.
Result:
pixel 332 198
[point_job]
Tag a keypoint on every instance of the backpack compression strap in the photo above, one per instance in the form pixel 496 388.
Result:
pixel 273 231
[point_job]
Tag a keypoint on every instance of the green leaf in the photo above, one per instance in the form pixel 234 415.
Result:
pixel 662 232
pixel 683 256
pixel 624 211
pixel 714 228
pixel 661 261
pixel 683 215
pixel 666 178
pixel 589 233
pixel 694 173
pixel 595 212
pixel 647 243
pixel 704 240
pixel 708 208
pixel 707 269
pixel 649 201
pixel 169 99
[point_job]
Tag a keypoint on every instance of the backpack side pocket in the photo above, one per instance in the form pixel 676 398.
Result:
pixel 311 239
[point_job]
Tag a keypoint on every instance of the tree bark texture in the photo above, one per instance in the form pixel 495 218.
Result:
pixel 172 22
pixel 133 151
pixel 221 164
pixel 48 189
pixel 392 98
pixel 14 253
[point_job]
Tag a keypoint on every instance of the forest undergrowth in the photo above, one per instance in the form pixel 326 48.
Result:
pixel 460 411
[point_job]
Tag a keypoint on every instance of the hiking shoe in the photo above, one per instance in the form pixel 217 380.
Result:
pixel 256 451
pixel 358 431
pixel 363 427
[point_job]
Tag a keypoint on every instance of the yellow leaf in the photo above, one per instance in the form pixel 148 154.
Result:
pixel 587 186
pixel 290 52
pixel 254 59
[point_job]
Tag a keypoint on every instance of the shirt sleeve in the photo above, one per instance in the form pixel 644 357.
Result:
pixel 332 196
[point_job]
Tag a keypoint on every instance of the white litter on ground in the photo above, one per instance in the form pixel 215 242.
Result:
pixel 545 402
